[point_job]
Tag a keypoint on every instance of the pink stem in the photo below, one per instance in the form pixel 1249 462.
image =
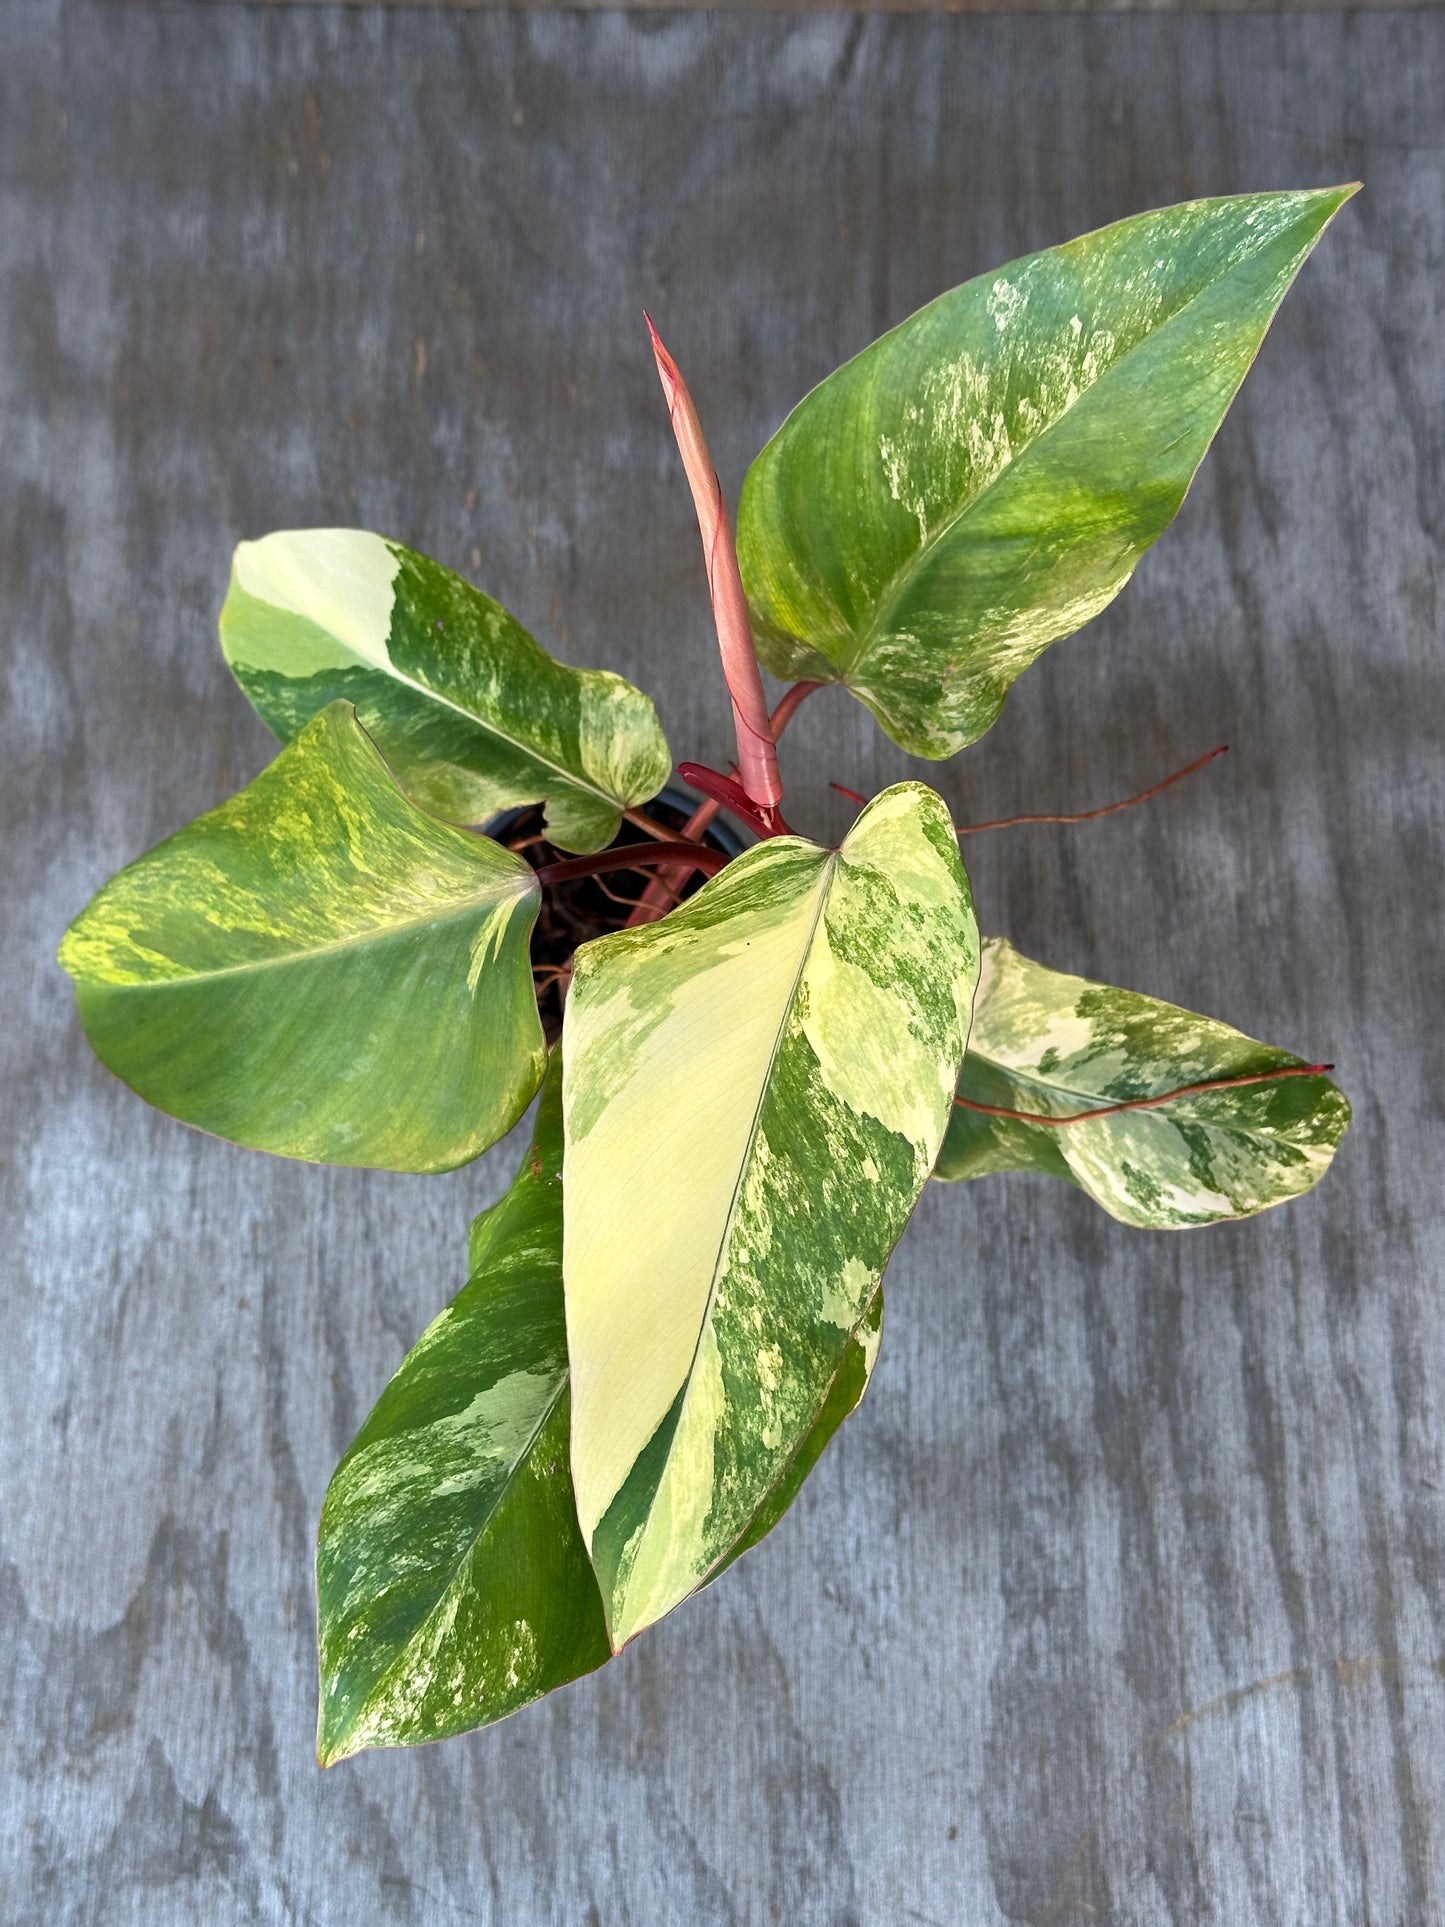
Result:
pixel 757 756
pixel 652 903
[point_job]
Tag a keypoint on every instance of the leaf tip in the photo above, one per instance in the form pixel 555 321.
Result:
pixel 1334 198
pixel 331 1749
pixel 666 367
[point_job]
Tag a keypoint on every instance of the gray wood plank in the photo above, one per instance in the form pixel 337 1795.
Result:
pixel 880 6
pixel 1120 1599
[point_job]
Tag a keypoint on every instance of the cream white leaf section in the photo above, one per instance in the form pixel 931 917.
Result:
pixel 1051 1044
pixel 337 582
pixel 470 711
pixel 755 1091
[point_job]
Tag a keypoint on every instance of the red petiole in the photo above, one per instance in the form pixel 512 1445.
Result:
pixel 731 795
pixel 726 792
pixel 631 856
pixel 652 902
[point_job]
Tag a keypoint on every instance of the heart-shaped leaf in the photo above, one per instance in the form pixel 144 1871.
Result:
pixel 1046 1043
pixel 452 1583
pixel 983 479
pixel 471 713
pixel 321 969
pixel 755 1090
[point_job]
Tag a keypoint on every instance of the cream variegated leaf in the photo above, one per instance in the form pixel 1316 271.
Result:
pixel 1043 1042
pixel 453 1586
pixel 983 479
pixel 755 1092
pixel 472 714
pixel 320 969
pixel 452 1583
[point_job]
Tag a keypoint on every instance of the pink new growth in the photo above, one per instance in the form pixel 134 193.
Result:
pixel 732 796
pixel 757 757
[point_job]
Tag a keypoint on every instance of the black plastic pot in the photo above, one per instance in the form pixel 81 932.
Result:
pixel 585 907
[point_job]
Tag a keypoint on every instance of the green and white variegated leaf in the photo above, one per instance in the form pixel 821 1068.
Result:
pixel 321 969
pixel 471 713
pixel 844 1394
pixel 1048 1043
pixel 452 1583
pixel 984 479
pixel 755 1090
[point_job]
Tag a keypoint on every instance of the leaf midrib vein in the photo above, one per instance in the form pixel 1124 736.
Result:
pixel 901 579
pixel 744 1162
pixel 474 1539
pixel 1035 1081
pixel 379 933
pixel 568 777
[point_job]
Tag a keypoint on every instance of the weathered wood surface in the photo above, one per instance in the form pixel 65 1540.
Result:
pixel 1121 1598
pixel 885 6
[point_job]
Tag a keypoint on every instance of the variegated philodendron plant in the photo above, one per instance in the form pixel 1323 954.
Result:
pixel 648 1356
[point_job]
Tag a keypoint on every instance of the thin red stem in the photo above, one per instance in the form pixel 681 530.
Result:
pixel 702 816
pixel 1109 809
pixel 1079 816
pixel 791 702
pixel 615 896
pixel 632 856
pixel 1148 1103
pixel 640 820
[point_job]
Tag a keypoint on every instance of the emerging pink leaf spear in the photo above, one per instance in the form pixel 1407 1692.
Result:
pixel 757 757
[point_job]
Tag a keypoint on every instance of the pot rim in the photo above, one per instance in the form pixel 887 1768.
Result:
pixel 722 832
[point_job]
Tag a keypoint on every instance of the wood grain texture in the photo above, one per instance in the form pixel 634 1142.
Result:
pixel 1120 1599
pixel 851 6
